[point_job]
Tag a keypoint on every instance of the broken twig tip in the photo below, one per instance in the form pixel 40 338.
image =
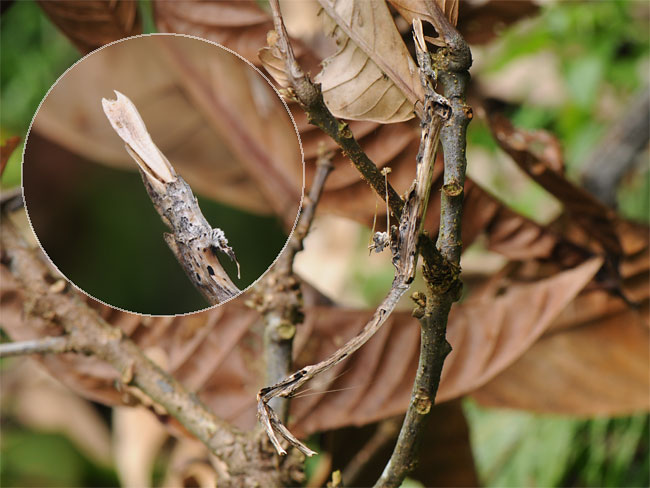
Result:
pixel 129 126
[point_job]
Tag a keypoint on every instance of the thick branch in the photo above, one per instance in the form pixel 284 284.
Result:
pixel 403 244
pixel 443 288
pixel 244 459
pixel 46 345
pixel 193 241
pixel 310 98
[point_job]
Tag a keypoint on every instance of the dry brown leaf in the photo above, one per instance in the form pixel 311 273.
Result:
pixel 586 370
pixel 413 9
pixel 485 336
pixel 180 87
pixel 238 25
pixel 542 161
pixel 372 75
pixel 217 353
pixel 600 336
pixel 91 24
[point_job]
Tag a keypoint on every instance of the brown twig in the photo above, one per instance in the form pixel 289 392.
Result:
pixel 404 243
pixel 617 152
pixel 384 433
pixel 308 94
pixel 245 460
pixel 279 299
pixel 45 345
pixel 443 289
pixel 193 241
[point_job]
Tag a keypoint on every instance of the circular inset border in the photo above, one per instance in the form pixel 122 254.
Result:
pixel 95 53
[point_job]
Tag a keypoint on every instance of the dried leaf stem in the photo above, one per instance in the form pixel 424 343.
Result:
pixel 404 247
pixel 245 461
pixel 451 64
pixel 308 94
pixel 45 345
pixel 193 240
pixel 279 298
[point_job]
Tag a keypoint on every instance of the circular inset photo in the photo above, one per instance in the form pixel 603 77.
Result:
pixel 162 174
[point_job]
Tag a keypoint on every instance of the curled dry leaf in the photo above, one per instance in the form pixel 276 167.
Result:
pixel 217 353
pixel 91 24
pixel 596 353
pixel 209 110
pixel 84 130
pixel 372 75
pixel 542 161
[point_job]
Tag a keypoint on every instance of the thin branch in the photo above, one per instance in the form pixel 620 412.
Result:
pixel 404 246
pixel 452 64
pixel 46 345
pixel 193 241
pixel 309 96
pixel 245 459
pixel 604 168
pixel 384 433
pixel 279 298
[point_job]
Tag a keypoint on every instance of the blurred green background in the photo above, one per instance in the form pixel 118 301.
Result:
pixel 602 47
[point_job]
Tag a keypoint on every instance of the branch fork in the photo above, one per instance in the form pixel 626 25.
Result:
pixel 403 242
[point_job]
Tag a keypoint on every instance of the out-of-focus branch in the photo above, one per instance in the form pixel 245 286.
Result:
pixel 403 241
pixel 308 94
pixel 193 240
pixel 616 153
pixel 46 345
pixel 384 433
pixel 244 459
pixel 279 298
pixel 6 149
pixel 451 65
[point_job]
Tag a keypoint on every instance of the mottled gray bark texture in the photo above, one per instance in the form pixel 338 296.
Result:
pixel 618 152
pixel 451 64
pixel 246 457
pixel 279 298
pixel 46 345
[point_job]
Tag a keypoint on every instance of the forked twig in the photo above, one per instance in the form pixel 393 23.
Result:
pixel 280 60
pixel 278 297
pixel 404 249
pixel 452 65
pixel 193 240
